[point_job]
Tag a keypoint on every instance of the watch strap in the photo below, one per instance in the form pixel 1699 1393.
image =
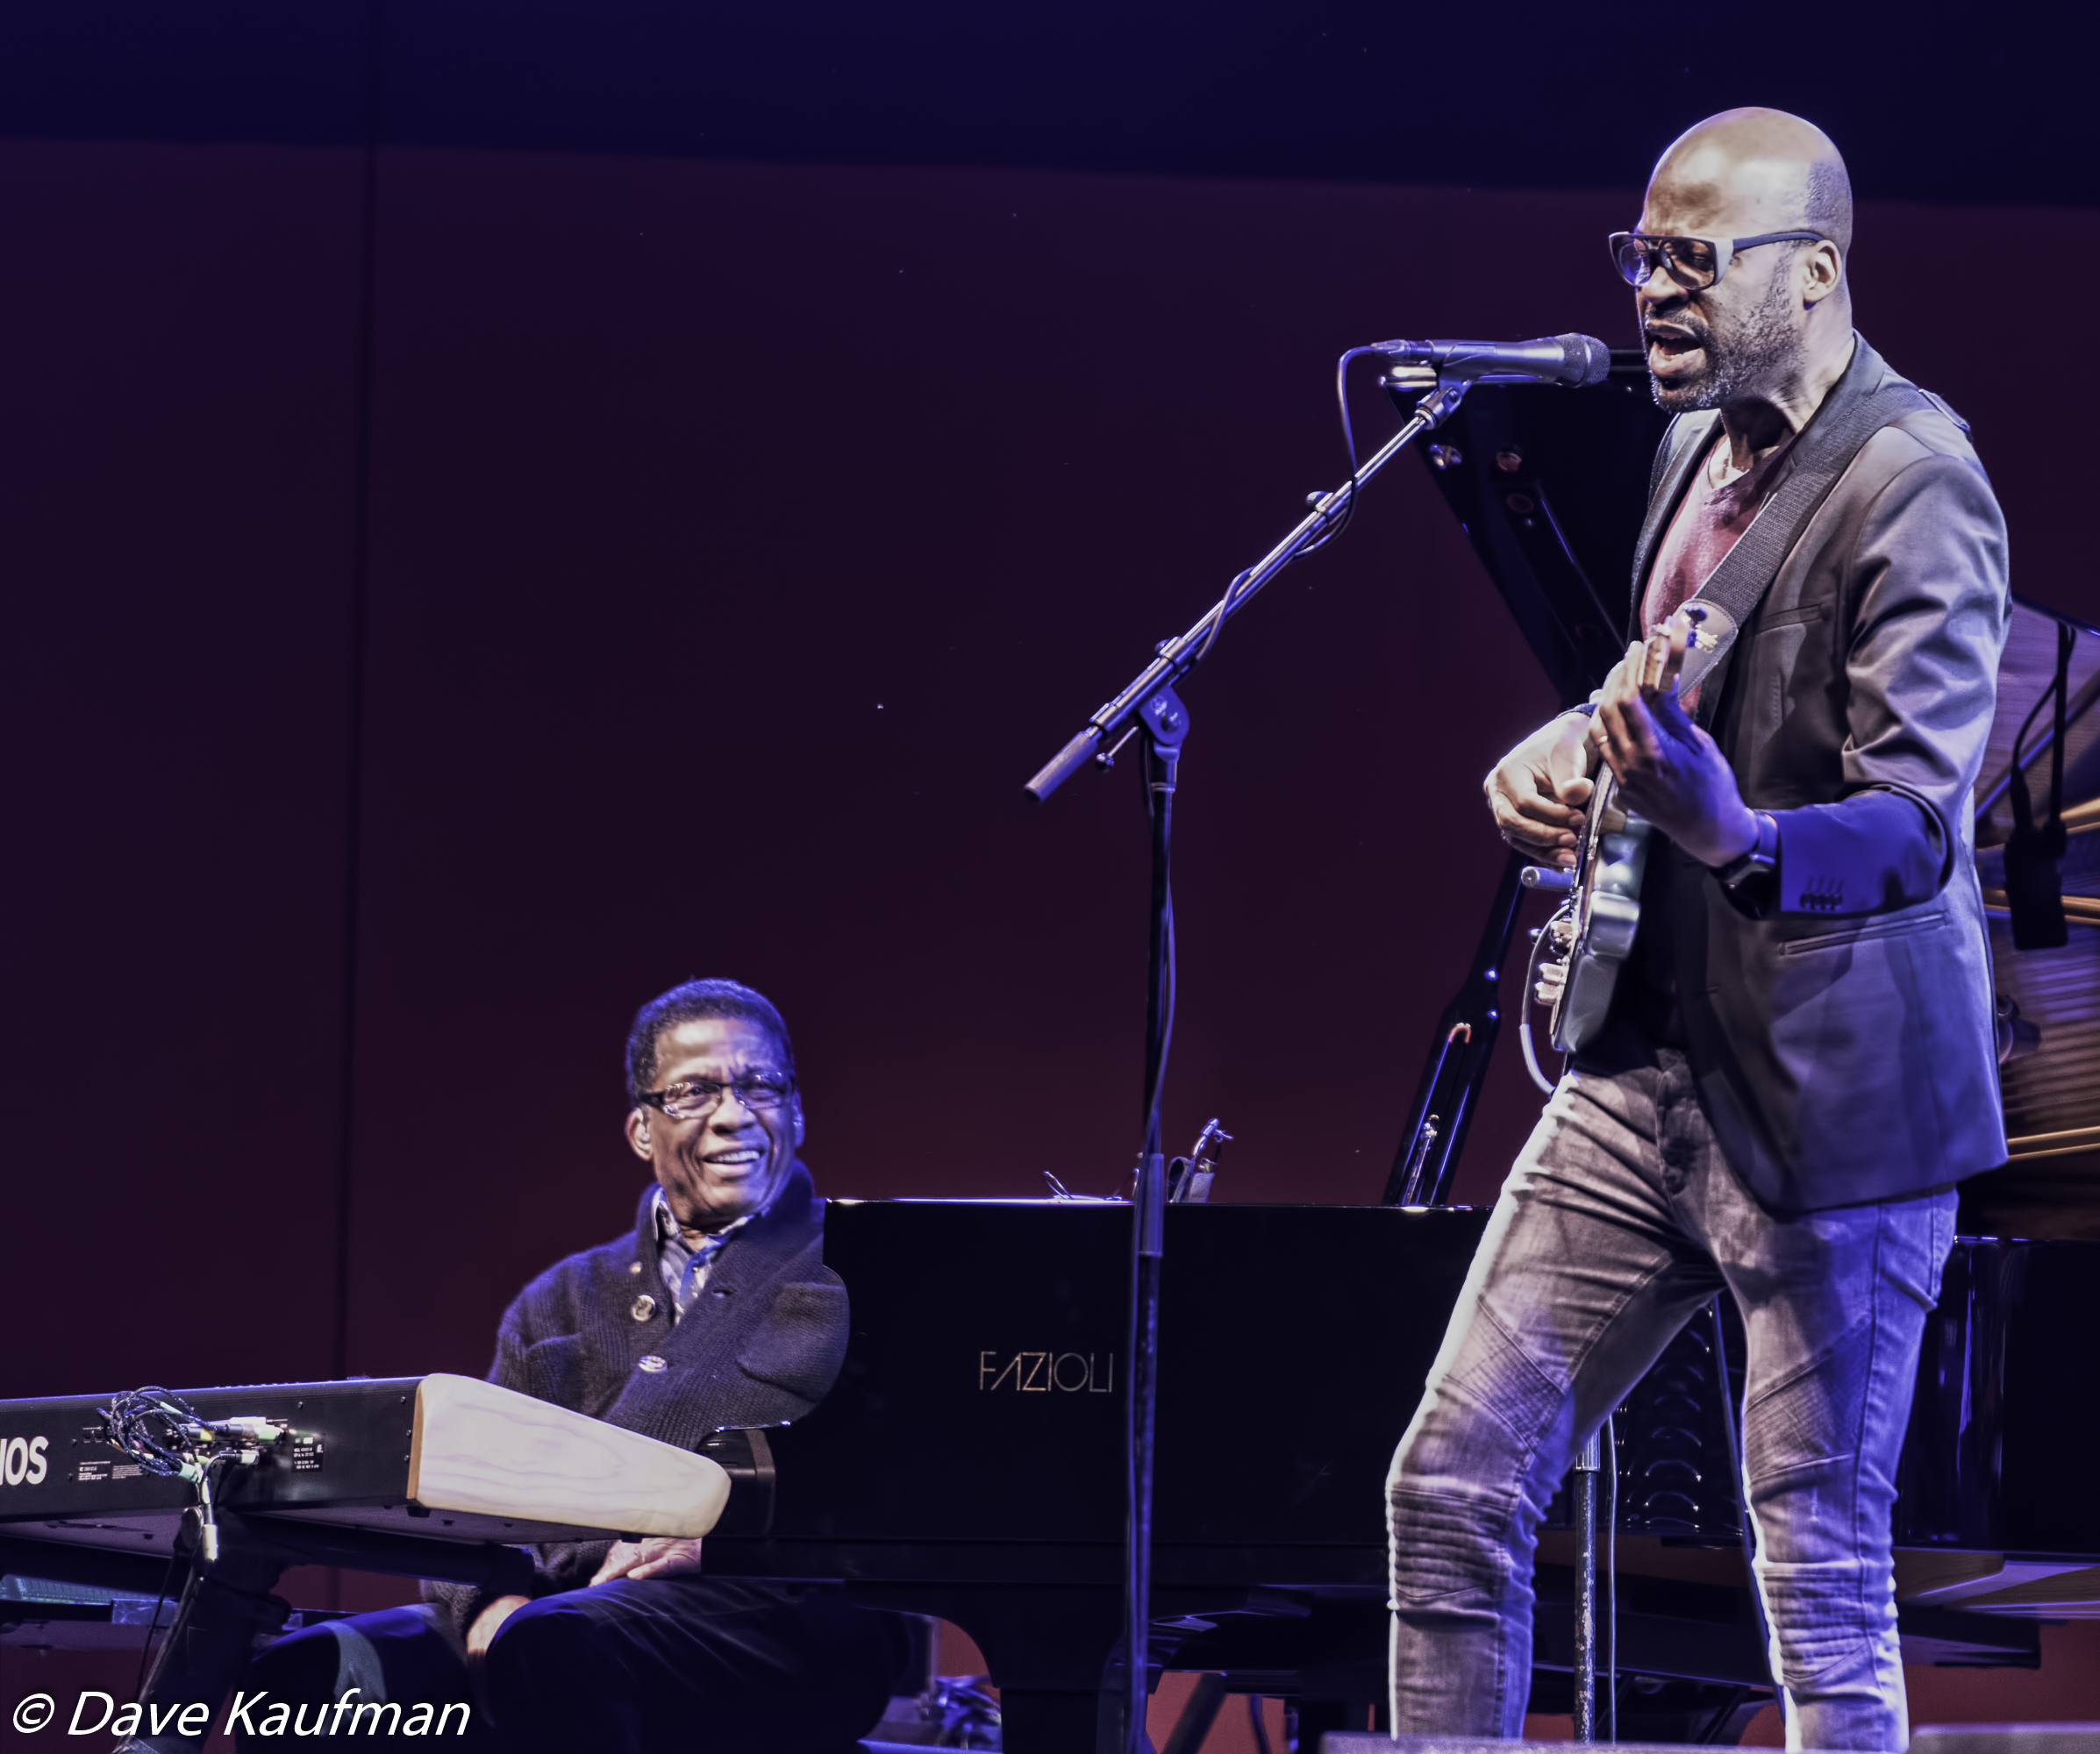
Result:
pixel 1760 864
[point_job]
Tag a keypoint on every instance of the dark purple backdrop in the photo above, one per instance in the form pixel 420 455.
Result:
pixel 741 538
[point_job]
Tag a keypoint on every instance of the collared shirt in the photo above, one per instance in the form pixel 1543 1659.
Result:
pixel 683 1269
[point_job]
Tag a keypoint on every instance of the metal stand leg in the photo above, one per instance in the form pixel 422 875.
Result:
pixel 1586 1467
pixel 1166 722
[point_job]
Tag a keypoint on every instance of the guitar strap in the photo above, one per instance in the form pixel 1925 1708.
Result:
pixel 1866 399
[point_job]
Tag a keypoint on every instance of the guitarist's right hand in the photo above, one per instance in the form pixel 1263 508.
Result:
pixel 1537 791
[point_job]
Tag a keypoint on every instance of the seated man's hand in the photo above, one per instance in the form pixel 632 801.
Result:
pixel 1537 789
pixel 660 1556
pixel 489 1623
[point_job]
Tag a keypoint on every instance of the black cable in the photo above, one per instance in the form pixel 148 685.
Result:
pixel 1156 802
pixel 1225 606
pixel 1341 398
pixel 147 1425
pixel 2065 639
pixel 1160 772
pixel 1231 600
pixel 2023 810
pixel 185 1607
pixel 2044 698
pixel 1539 942
pixel 163 1433
pixel 145 1650
pixel 2057 692
pixel 1337 525
pixel 1260 1728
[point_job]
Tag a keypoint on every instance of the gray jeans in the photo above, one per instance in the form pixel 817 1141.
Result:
pixel 1621 1219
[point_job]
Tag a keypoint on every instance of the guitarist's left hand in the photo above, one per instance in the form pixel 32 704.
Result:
pixel 1670 771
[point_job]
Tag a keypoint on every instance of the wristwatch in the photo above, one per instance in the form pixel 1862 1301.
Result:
pixel 1752 878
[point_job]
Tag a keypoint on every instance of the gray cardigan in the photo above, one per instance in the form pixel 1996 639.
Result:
pixel 762 1344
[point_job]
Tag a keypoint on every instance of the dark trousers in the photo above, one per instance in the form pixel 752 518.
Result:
pixel 690 1665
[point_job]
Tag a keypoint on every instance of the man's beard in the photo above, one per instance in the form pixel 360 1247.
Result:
pixel 1761 350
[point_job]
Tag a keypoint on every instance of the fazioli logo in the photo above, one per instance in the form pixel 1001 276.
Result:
pixel 23 1462
pixel 1047 1373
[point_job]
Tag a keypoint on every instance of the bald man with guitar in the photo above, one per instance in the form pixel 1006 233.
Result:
pixel 1797 1064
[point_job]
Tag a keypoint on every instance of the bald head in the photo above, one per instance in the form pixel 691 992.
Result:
pixel 1745 172
pixel 1771 330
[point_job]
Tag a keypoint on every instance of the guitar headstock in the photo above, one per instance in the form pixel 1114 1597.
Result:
pixel 1663 659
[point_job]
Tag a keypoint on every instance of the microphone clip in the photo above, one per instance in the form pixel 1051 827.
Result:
pixel 1436 394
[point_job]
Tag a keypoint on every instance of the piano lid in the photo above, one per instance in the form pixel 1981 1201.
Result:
pixel 1550 486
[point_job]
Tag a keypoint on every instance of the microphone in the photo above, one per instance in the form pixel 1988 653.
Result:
pixel 1576 360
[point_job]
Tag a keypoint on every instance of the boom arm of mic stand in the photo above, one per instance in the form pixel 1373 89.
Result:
pixel 1177 657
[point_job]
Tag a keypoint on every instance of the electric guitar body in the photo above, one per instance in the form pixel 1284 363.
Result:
pixel 1593 930
pixel 1611 857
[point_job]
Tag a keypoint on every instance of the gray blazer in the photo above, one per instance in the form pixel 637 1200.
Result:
pixel 1844 1043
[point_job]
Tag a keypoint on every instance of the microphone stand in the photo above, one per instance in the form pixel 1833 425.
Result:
pixel 1111 726
pixel 1151 706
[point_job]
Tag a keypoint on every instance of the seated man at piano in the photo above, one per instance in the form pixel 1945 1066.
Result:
pixel 1798 1065
pixel 715 1310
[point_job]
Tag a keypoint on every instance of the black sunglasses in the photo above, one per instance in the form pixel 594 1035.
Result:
pixel 1695 263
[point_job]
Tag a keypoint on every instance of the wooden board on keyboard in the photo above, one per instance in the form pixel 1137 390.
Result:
pixel 445 1458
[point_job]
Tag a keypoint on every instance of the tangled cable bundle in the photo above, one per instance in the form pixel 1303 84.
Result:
pixel 165 1435
pixel 160 1431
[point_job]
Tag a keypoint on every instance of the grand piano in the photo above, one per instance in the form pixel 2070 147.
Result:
pixel 1295 1339
pixel 969 1462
